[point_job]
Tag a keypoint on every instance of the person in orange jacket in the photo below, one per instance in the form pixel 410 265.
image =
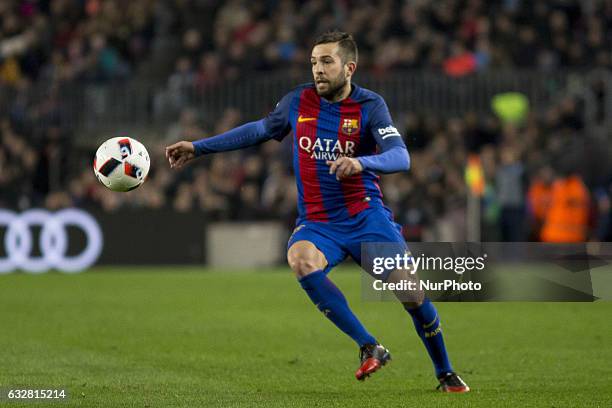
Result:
pixel 539 197
pixel 567 219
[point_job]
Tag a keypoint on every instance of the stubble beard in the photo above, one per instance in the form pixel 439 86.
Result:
pixel 335 88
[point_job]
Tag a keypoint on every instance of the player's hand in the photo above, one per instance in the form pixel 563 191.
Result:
pixel 344 167
pixel 180 153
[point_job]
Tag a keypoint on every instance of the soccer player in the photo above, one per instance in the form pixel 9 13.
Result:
pixel 338 127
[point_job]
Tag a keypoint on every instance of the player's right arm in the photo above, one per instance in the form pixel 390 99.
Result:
pixel 274 126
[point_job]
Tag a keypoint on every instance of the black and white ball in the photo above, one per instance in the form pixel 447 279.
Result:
pixel 121 163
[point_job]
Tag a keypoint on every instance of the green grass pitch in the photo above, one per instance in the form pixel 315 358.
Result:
pixel 198 338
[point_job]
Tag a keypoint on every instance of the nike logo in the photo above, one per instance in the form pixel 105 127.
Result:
pixel 303 119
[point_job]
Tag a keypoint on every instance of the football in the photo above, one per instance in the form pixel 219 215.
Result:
pixel 121 163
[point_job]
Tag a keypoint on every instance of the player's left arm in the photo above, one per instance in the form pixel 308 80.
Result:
pixel 393 156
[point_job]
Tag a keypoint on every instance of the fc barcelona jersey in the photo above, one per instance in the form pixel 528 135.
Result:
pixel 324 131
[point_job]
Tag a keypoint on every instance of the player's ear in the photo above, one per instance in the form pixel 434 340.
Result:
pixel 350 68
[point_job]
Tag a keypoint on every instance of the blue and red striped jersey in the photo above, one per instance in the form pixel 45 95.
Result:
pixel 322 131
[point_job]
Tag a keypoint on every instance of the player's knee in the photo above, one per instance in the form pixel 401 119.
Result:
pixel 303 265
pixel 304 260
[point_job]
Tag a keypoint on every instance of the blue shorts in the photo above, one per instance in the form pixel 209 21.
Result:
pixel 337 240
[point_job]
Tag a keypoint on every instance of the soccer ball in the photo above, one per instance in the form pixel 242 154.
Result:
pixel 121 163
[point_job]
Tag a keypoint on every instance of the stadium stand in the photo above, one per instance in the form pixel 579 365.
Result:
pixel 188 48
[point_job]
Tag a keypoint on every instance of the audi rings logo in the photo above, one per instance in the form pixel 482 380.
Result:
pixel 18 240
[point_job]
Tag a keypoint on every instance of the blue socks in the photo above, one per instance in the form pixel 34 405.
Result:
pixel 328 298
pixel 427 324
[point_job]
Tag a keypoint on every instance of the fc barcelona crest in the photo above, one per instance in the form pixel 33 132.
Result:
pixel 350 126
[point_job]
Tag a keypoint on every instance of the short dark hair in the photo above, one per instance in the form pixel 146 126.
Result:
pixel 346 44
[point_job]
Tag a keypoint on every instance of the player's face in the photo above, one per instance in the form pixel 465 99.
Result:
pixel 329 73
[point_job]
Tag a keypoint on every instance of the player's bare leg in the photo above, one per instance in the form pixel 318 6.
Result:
pixel 309 264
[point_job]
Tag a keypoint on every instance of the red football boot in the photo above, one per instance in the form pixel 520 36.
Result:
pixel 451 382
pixel 372 357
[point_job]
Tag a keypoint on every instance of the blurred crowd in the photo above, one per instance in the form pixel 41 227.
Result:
pixel 97 40
pixel 523 165
pixel 454 36
pixel 73 41
pixel 533 170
